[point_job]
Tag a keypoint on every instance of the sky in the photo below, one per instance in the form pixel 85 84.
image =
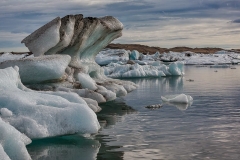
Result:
pixel 163 23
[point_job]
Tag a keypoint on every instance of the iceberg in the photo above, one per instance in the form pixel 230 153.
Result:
pixel 114 70
pixel 107 56
pixel 188 58
pixel 180 98
pixel 43 114
pixel 134 55
pixel 82 39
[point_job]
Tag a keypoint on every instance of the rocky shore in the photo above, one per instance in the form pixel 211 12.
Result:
pixel 152 50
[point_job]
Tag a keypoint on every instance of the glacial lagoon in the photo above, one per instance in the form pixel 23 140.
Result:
pixel 208 129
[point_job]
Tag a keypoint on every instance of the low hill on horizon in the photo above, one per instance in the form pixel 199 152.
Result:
pixel 151 50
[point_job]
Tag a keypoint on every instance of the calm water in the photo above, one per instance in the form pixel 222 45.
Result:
pixel 208 129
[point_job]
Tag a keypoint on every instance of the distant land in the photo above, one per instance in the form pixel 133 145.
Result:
pixel 151 50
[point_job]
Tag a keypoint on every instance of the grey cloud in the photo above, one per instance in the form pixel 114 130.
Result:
pixel 141 15
pixel 236 21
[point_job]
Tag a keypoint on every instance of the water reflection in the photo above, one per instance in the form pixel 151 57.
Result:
pixel 172 83
pixel 75 147
pixel 113 112
pixel 72 147
pixel 180 106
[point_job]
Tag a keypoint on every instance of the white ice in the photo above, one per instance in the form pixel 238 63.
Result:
pixel 4 112
pixel 47 37
pixel 44 114
pixel 188 58
pixel 39 69
pixel 180 98
pixel 12 143
pixel 114 70
pixel 86 81
pixel 134 55
pixel 222 57
pixel 107 56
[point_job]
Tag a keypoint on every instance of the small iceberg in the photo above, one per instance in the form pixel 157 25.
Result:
pixel 180 98
pixel 180 101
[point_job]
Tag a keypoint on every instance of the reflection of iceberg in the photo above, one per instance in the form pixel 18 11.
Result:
pixel 180 106
pixel 113 112
pixel 180 98
pixel 68 147
pixel 181 101
pixel 220 66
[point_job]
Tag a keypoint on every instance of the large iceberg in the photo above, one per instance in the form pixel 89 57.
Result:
pixel 80 38
pixel 63 69
pixel 43 114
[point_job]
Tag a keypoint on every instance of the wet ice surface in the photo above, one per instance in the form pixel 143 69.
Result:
pixel 208 129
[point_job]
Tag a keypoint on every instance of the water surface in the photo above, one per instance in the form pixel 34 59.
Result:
pixel 208 129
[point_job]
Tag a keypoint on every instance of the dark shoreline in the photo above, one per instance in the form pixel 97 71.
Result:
pixel 151 50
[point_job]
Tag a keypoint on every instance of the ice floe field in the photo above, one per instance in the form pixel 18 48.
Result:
pixel 58 88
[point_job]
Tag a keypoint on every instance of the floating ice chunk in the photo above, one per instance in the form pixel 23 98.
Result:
pixel 44 114
pixel 134 55
pixel 180 98
pixel 176 68
pixel 86 81
pixel 154 106
pixel 5 112
pixel 12 143
pixel 108 55
pixel 39 69
pixel 136 70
